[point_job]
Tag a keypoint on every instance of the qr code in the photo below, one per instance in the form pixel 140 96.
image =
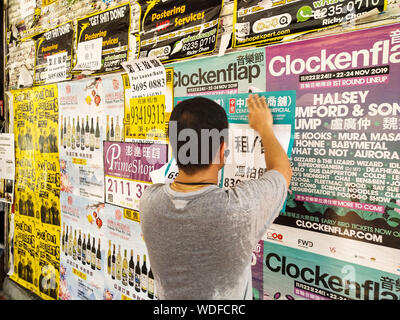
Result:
pixel 243 29
pixel 110 198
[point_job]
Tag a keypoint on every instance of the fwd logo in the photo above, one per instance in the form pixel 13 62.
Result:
pixel 305 243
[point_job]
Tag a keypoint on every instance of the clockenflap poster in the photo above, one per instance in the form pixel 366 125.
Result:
pixel 75 231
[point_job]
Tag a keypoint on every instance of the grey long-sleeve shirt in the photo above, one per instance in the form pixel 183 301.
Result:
pixel 200 243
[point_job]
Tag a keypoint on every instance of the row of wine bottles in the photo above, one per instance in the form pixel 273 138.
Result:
pixel 85 136
pixel 130 274
pixel 118 268
pixel 81 249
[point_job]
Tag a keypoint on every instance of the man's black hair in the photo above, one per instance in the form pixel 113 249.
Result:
pixel 197 114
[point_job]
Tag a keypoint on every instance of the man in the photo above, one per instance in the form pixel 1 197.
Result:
pixel 200 237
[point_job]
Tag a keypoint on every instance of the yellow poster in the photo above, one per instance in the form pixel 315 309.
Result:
pixel 25 254
pixel 148 117
pixel 37 190
pixel 48 259
pixel 47 2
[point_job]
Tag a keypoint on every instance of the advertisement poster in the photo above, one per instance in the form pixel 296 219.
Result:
pixel 82 248
pixel 54 54
pixel 128 274
pixel 25 175
pixel 174 30
pixel 112 26
pixel 7 167
pixel 345 156
pixel 146 77
pixel 47 166
pixel 238 72
pixel 102 253
pixel 37 187
pixel 293 274
pixel 146 116
pixel 48 259
pixel 264 22
pixel 91 110
pixel 127 168
pixel 25 253
pixel 246 159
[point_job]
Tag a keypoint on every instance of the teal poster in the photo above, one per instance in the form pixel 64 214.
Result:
pixel 293 274
pixel 246 150
pixel 232 73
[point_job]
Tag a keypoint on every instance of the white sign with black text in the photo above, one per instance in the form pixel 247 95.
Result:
pixel 7 167
pixel 147 77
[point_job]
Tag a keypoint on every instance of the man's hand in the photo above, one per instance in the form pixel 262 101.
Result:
pixel 260 119
pixel 260 116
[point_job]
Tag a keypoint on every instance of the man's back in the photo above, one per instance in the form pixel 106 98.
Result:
pixel 200 243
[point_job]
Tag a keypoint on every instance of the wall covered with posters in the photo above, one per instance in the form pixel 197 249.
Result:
pixel 344 200
pixel 83 108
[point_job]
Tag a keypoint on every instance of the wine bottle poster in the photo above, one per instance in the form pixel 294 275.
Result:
pixel 82 243
pixel 91 111
pixel 127 273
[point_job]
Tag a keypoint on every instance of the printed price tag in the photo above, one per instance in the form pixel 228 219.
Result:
pixel 89 55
